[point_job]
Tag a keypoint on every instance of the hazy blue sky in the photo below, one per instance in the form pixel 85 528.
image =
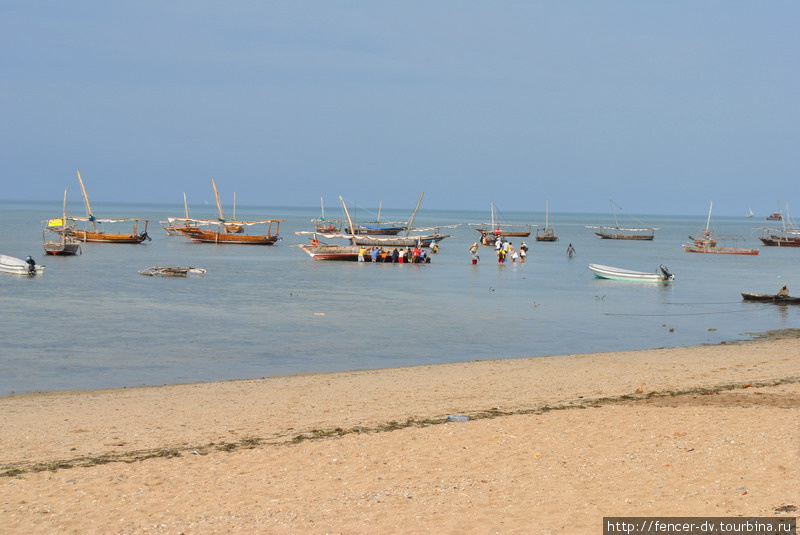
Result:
pixel 661 106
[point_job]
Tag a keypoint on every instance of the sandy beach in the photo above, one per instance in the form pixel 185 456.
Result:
pixel 552 446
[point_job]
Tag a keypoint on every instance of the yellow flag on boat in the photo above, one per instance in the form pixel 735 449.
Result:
pixel 55 223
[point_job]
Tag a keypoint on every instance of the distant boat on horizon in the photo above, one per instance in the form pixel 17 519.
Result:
pixel 749 212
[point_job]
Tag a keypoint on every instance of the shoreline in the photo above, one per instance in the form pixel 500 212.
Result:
pixel 778 334
pixel 106 442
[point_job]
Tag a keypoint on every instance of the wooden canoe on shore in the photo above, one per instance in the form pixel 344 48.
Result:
pixel 770 298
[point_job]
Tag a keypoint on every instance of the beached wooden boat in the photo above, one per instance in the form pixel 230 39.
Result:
pixel 94 231
pixel 493 229
pixel 57 237
pixel 662 276
pixel 770 298
pixel 707 242
pixel 546 234
pixel 17 266
pixel 169 271
pixel 617 232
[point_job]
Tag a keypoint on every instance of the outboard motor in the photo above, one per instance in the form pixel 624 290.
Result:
pixel 31 265
pixel 665 272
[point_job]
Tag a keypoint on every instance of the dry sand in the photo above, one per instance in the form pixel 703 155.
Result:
pixel 553 445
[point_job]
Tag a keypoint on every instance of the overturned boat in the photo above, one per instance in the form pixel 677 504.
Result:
pixel 169 271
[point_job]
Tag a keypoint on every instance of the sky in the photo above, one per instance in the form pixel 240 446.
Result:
pixel 660 106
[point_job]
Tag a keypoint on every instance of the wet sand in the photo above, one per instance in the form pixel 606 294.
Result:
pixel 552 446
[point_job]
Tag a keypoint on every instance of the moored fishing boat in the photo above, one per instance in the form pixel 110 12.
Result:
pixel 64 243
pixel 98 234
pixel 707 242
pixel 617 232
pixel 407 240
pixel 662 276
pixel 321 224
pixel 172 226
pixel 494 229
pixel 231 226
pixel 223 235
pixel 775 239
pixel 547 233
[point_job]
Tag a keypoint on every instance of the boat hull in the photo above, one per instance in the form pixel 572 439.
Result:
pixel 205 236
pixel 620 236
pixel 332 252
pixel 719 250
pixel 627 275
pixel 62 249
pixel 103 237
pixel 780 241
pixel 509 233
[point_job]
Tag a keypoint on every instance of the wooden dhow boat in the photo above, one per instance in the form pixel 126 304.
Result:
pixel 223 235
pixel 775 239
pixel 406 240
pixel 377 227
pixel 57 237
pixel 233 225
pixel 330 251
pixel 493 229
pixel 17 266
pixel 707 242
pixel 94 231
pixel 786 236
pixel 661 276
pixel 172 226
pixel 617 232
pixel 546 234
pixel 321 224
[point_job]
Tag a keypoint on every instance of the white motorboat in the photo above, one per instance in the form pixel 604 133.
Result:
pixel 17 266
pixel 662 276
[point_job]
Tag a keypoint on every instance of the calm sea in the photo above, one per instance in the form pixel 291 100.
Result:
pixel 93 322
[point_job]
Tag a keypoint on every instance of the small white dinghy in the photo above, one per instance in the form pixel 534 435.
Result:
pixel 662 276
pixel 17 266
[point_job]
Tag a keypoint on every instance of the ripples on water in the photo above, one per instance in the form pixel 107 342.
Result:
pixel 93 322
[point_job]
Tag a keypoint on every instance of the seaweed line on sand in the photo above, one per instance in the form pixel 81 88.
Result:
pixel 18 469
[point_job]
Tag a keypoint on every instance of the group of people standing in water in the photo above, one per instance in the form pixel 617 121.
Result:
pixel 415 255
pixel 505 250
